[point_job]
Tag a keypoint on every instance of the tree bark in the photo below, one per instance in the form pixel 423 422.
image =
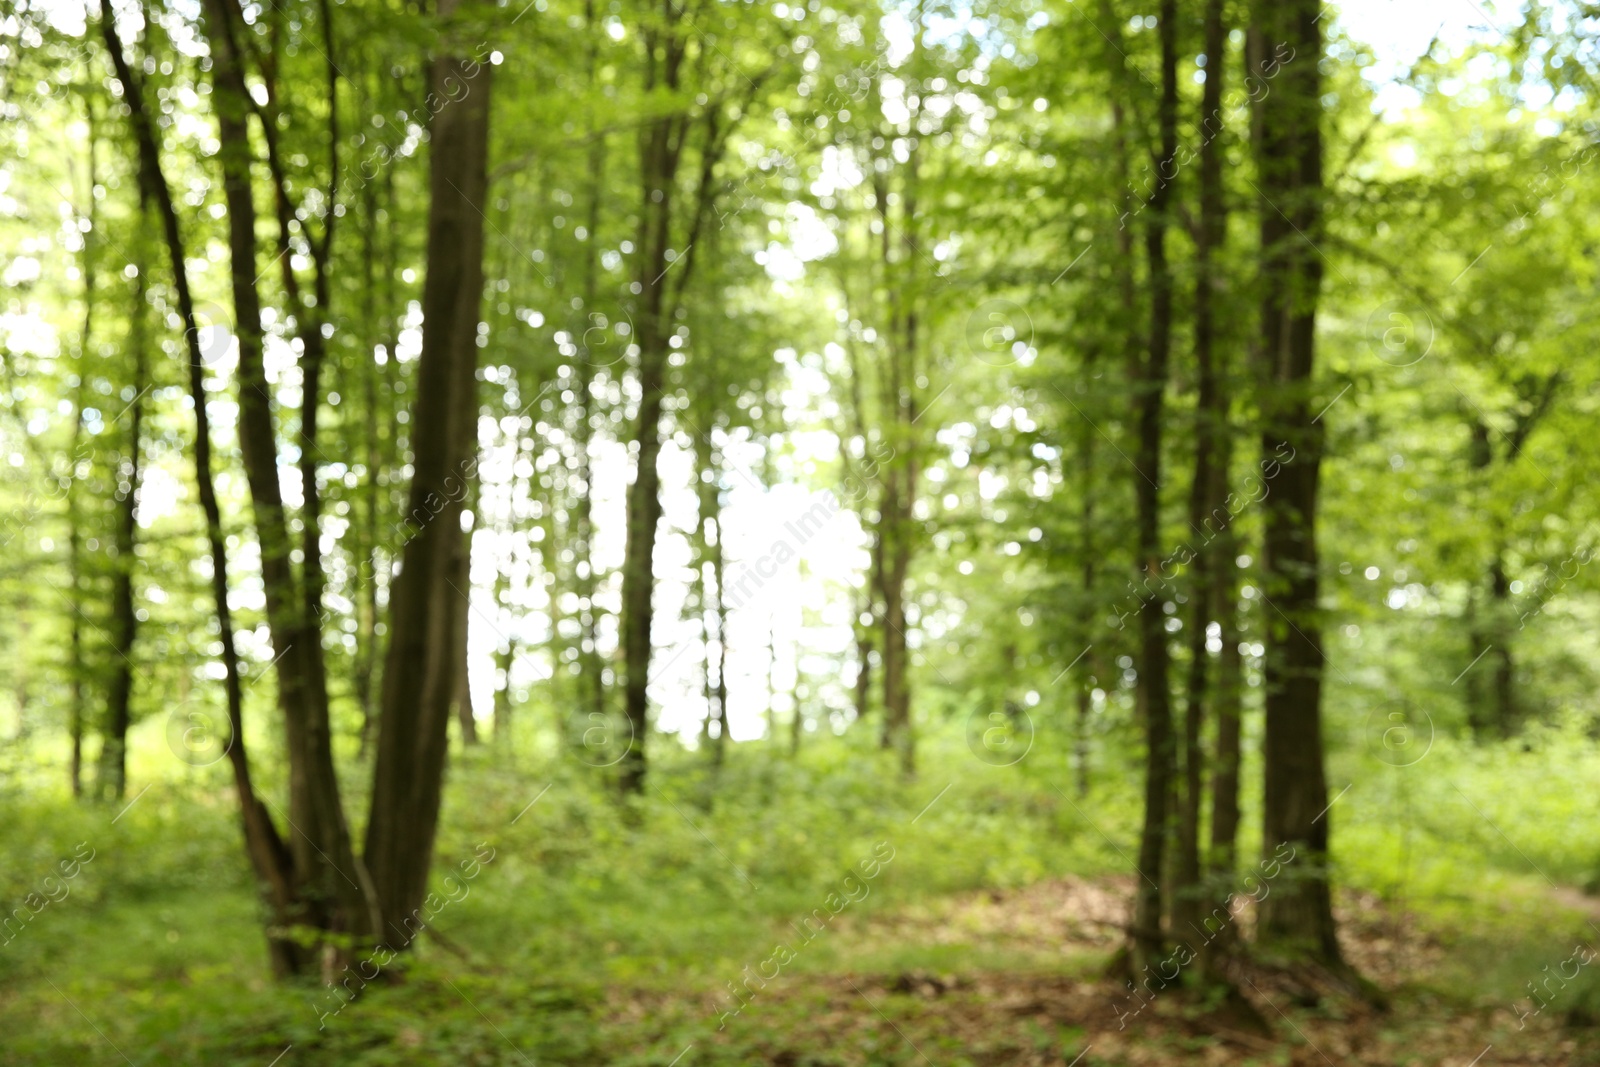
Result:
pixel 1151 384
pixel 419 675
pixel 269 857
pixel 900 474
pixel 592 698
pixel 1090 578
pixel 332 890
pixel 365 592
pixel 78 666
pixel 124 621
pixel 1297 918
pixel 661 143
pixel 711 606
pixel 466 718
pixel 1209 518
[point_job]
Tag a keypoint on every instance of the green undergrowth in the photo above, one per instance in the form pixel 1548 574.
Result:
pixel 155 952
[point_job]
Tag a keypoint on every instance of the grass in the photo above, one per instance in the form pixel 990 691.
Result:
pixel 598 937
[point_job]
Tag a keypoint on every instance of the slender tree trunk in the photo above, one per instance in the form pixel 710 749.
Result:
pixel 1505 708
pixel 124 621
pixel 591 665
pixel 896 684
pixel 864 652
pixel 465 716
pixel 1298 916
pixel 1087 543
pixel 78 666
pixel 422 659
pixel 365 593
pixel 797 720
pixel 772 675
pixel 868 620
pixel 660 148
pixel 711 607
pixel 505 657
pixel 1153 673
pixel 895 524
pixel 1117 81
pixel 1228 700
pixel 269 856
pixel 331 886
pixel 720 693
pixel 1490 698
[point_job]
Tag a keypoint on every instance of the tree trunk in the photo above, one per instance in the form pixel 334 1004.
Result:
pixel 419 675
pixel 504 658
pixel 1208 514
pixel 331 888
pixel 660 148
pixel 711 606
pixel 797 719
pixel 1090 620
pixel 77 666
pixel 896 656
pixel 1228 699
pixel 124 621
pixel 1152 380
pixel 365 592
pixel 592 699
pixel 1298 916
pixel 269 857
pixel 466 717
pixel 895 521
pixel 1505 708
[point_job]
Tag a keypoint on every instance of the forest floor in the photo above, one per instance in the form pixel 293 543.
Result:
pixel 1053 1004
pixel 597 939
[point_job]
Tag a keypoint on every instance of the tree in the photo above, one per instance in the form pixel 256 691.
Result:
pixel 1298 916
pixel 419 674
pixel 331 889
pixel 1214 590
pixel 1150 384
pixel 269 856
pixel 124 620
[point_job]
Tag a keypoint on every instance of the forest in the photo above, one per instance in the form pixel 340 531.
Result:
pixel 822 533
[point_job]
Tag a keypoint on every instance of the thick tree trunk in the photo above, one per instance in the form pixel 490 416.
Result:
pixel 269 857
pixel 1298 916
pixel 1152 381
pixel 1208 514
pixel 419 675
